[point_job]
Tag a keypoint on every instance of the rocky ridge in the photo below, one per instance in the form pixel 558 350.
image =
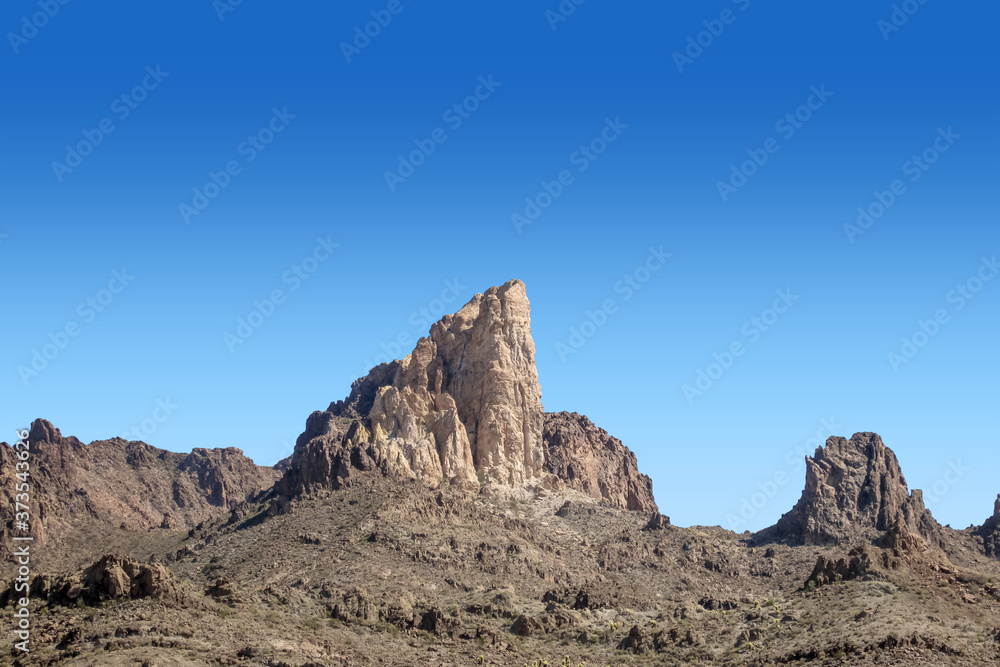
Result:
pixel 126 483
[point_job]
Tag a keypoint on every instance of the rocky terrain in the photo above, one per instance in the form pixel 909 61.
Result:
pixel 438 516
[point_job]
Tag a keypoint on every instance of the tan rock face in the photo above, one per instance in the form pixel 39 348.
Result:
pixel 464 406
pixel 474 386
pixel 854 490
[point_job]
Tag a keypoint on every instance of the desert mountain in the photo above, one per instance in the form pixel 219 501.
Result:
pixel 464 408
pixel 125 483
pixel 854 491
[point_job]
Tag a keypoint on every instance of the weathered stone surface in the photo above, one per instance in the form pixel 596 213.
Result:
pixel 327 455
pixel 586 458
pixel 854 490
pixel 525 626
pixel 899 538
pixel 464 406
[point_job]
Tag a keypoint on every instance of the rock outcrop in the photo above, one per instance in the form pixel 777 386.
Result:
pixel 586 458
pixel 854 490
pixel 113 577
pixel 465 408
pixel 990 531
pixel 898 548
pixel 125 483
pixel 657 522
pixel 858 563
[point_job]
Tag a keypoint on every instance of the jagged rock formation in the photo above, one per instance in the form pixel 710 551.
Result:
pixel 113 577
pixel 898 547
pixel 467 398
pixel 126 483
pixel 327 454
pixel 854 490
pixel 465 408
pixel 586 458
pixel 990 531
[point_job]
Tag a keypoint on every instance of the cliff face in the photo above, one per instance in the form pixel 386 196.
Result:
pixel 854 491
pixel 586 458
pixel 464 408
pixel 126 482
pixel 467 399
pixel 990 531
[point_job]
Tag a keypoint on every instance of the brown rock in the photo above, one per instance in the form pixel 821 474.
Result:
pixel 465 407
pixel 525 626
pixel 990 532
pixel 571 509
pixel 586 458
pixel 854 490
pixel 221 588
pixel 859 562
pixel 901 540
pixel 115 577
pixel 657 522
pixel 635 642
pixel 472 383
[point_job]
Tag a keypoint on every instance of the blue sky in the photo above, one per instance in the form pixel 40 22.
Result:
pixel 216 156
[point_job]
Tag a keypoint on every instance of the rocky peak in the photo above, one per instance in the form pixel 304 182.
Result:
pixel 854 491
pixel 43 431
pixel 465 408
pixel 473 384
pixel 590 460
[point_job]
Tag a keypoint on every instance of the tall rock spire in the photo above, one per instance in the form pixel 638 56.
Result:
pixel 465 407
pixel 854 490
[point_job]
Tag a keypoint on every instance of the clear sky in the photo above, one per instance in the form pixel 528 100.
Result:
pixel 709 153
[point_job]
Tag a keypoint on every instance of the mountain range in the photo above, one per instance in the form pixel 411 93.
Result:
pixel 438 515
